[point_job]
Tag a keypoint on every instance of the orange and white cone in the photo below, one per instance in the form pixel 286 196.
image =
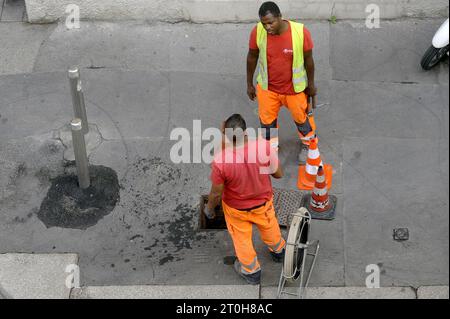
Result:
pixel 319 204
pixel 319 198
pixel 307 173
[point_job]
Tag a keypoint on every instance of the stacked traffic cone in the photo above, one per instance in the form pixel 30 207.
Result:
pixel 307 173
pixel 319 198
pixel 320 205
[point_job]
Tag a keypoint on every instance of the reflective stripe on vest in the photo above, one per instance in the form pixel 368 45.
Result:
pixel 299 76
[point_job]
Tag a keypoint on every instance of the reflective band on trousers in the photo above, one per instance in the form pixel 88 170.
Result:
pixel 304 128
pixel 307 138
pixel 251 266
pixel 276 247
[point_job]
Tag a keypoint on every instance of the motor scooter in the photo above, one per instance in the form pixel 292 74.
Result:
pixel 439 48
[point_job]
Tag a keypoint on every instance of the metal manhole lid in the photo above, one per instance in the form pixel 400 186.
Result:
pixel 286 202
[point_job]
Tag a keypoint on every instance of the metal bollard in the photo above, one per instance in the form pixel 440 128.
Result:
pixel 83 111
pixel 79 148
pixel 79 107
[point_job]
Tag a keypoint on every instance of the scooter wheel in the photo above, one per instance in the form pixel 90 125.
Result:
pixel 432 57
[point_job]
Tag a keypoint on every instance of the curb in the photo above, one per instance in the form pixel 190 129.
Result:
pixel 167 292
pixel 43 276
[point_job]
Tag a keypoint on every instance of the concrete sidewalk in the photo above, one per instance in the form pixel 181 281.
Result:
pixel 222 11
pixel 36 276
pixel 142 80
pixel 29 276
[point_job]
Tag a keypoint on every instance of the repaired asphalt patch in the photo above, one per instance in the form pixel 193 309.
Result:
pixel 67 205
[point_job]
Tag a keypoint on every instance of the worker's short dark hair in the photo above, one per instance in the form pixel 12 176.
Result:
pixel 237 123
pixel 269 7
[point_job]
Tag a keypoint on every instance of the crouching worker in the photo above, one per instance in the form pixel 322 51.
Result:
pixel 240 176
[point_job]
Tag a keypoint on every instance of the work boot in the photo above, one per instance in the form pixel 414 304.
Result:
pixel 278 257
pixel 303 153
pixel 252 279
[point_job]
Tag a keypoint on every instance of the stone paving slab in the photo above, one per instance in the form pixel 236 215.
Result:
pixel 1 7
pixel 414 196
pixel 168 292
pixel 391 53
pixel 13 11
pixel 362 109
pixel 222 11
pixel 20 46
pixel 28 276
pixel 345 293
pixel 433 292
pixel 176 47
pixel 134 97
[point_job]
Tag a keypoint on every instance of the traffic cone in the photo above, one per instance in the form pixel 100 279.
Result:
pixel 319 198
pixel 320 205
pixel 307 173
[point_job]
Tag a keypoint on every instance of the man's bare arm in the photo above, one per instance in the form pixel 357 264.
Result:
pixel 279 173
pixel 311 90
pixel 215 196
pixel 252 60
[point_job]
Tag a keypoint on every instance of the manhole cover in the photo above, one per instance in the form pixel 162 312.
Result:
pixel 401 234
pixel 286 202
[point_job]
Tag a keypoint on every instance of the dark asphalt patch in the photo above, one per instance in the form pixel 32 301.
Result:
pixel 68 206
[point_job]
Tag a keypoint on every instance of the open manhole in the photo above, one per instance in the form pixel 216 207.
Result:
pixel 211 224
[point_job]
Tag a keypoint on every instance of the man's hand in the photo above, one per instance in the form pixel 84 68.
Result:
pixel 251 92
pixel 213 200
pixel 209 213
pixel 311 92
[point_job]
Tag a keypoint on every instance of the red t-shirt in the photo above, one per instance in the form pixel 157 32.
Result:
pixel 280 58
pixel 246 178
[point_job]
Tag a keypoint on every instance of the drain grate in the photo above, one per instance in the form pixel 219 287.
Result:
pixel 401 234
pixel 286 202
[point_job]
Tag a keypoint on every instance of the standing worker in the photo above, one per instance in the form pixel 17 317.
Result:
pixel 241 178
pixel 286 73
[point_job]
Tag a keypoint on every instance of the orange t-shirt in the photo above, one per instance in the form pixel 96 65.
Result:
pixel 280 58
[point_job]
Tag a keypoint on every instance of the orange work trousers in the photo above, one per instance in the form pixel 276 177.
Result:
pixel 240 226
pixel 269 104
